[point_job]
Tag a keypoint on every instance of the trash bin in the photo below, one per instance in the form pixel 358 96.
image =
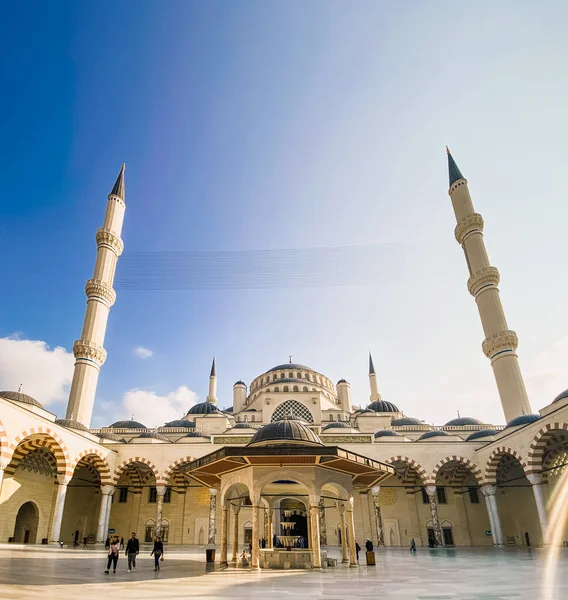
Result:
pixel 210 555
pixel 371 559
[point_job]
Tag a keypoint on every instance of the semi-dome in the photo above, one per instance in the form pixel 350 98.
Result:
pixel 406 421
pixel 203 408
pixel 242 426
pixel 462 421
pixel 522 420
pixel 153 435
pixel 107 435
pixel 180 423
pixel 19 397
pixel 382 406
pixel 197 434
pixel 288 366
pixel 432 434
pixel 477 435
pixel 386 433
pixel 560 396
pixel 361 411
pixel 337 425
pixel 287 431
pixel 127 425
pixel 71 424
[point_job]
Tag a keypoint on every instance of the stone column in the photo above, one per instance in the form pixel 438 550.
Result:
pixel 536 481
pixel 108 508
pixel 489 492
pixel 378 517
pixel 106 491
pixel 351 530
pixel 269 541
pixel 212 512
pixel 255 554
pixel 344 553
pixel 224 534
pixel 236 510
pixel 315 530
pixel 266 531
pixel 160 493
pixel 322 525
pixel 431 491
pixel 62 481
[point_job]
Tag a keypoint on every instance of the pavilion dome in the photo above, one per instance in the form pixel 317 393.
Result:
pixel 287 431
pixel 129 424
pixel 560 396
pixel 476 435
pixel 71 424
pixel 522 420
pixel 462 421
pixel 153 435
pixel 406 421
pixel 20 397
pixel 203 408
pixel 386 433
pixel 382 406
pixel 432 434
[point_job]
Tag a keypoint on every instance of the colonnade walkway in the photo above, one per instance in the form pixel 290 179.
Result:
pixel 461 574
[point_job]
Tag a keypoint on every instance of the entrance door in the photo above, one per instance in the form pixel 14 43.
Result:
pixel 448 536
pixel 248 535
pixel 76 536
pixel 527 539
pixel 27 536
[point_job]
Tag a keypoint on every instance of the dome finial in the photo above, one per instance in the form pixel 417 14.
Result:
pixel 459 414
pixel 20 388
pixel 290 359
pixel 448 150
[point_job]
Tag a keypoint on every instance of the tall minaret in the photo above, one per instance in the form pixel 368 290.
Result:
pixel 500 342
pixel 373 381
pixel 212 397
pixel 89 352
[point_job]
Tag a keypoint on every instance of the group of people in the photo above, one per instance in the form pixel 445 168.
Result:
pixel 132 550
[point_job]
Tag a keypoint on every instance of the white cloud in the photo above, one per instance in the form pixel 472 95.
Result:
pixel 45 373
pixel 142 352
pixel 154 410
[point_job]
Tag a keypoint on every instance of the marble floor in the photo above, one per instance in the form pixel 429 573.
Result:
pixel 441 574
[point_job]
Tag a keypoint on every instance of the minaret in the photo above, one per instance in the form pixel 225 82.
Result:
pixel 212 397
pixel 89 352
pixel 373 381
pixel 500 342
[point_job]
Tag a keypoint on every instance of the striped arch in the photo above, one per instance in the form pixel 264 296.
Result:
pixel 465 462
pixel 39 437
pixel 490 475
pixel 420 471
pixel 94 457
pixel 169 473
pixel 536 450
pixel 132 461
pixel 5 453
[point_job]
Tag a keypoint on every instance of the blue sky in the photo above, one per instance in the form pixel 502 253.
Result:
pixel 274 125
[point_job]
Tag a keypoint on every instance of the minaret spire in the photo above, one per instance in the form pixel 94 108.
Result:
pixel 500 342
pixel 212 397
pixel 373 381
pixel 89 352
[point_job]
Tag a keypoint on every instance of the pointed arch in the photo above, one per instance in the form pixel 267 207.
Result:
pixel 536 450
pixel 423 477
pixel 94 457
pixel 468 464
pixel 131 461
pixel 39 437
pixel 4 446
pixel 490 473
pixel 169 471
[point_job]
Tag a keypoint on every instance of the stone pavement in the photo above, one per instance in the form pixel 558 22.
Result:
pixel 442 574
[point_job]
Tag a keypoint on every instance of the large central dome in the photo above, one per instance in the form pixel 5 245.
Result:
pixel 286 432
pixel 287 366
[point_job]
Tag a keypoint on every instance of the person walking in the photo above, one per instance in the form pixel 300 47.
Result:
pixel 113 555
pixel 85 540
pixel 413 546
pixel 107 543
pixel 132 550
pixel 121 543
pixel 357 550
pixel 158 553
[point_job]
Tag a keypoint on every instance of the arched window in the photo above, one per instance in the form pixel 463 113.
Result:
pixel 291 375
pixel 252 419
pixel 267 389
pixel 295 389
pixel 313 389
pixel 304 389
pixel 274 378
pixel 292 408
pixel 276 389
pixel 299 375
pixel 331 417
pixel 285 388
pixel 281 375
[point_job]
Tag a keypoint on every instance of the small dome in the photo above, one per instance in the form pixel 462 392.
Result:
pixel 242 426
pixel 361 411
pixel 382 406
pixel 337 425
pixel 197 434
pixel 181 423
pixel 476 435
pixel 522 420
pixel 284 432
pixel 154 435
pixel 406 421
pixel 561 396
pixel 342 381
pixel 229 410
pixel 386 433
pixel 107 435
pixel 202 408
pixel 239 382
pixel 461 421
pixel 127 425
pixel 71 424
pixel 290 366
pixel 19 397
pixel 432 434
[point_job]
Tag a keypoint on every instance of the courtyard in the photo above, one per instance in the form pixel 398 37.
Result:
pixel 464 574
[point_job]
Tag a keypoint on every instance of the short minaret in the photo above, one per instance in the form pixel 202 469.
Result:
pixel 89 352
pixel 212 397
pixel 500 342
pixel 373 381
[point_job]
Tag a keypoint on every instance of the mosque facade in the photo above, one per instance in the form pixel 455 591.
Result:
pixel 292 463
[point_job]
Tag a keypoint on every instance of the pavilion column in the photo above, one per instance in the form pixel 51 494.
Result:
pixel 431 491
pixel 344 552
pixel 351 536
pixel 255 554
pixel 322 524
pixel 270 540
pixel 109 507
pixel 160 493
pixel 266 532
pixel 212 512
pixel 536 481
pixel 62 481
pixel 378 517
pixel 106 491
pixel 489 491
pixel 315 532
pixel 224 534
pixel 236 510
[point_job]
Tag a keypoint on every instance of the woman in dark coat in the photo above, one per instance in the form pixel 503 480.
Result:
pixel 158 553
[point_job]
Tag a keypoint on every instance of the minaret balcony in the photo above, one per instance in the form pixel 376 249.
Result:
pixel 470 224
pixel 101 290
pixel 482 279
pixel 500 343
pixel 108 239
pixel 87 351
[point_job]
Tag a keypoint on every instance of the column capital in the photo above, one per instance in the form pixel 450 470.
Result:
pixel 213 491
pixel 107 490
pixel 63 479
pixel 535 478
pixel 376 491
pixel 430 490
pixel 161 490
pixel 488 490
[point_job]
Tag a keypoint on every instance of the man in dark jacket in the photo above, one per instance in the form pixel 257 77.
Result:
pixel 369 545
pixel 132 549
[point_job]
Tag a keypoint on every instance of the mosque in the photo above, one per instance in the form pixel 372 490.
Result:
pixel 291 458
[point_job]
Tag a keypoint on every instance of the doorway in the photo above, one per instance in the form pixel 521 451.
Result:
pixel 448 536
pixel 527 539
pixel 25 529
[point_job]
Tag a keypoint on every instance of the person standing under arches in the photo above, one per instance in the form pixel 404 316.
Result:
pixel 158 553
pixel 113 554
